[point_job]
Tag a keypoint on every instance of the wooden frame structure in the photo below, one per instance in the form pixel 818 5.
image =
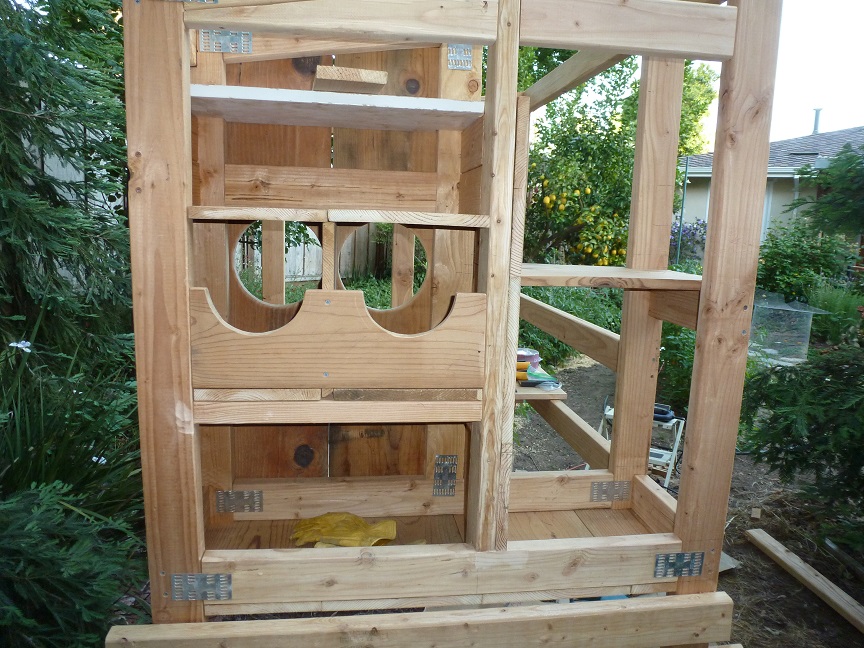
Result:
pixel 256 414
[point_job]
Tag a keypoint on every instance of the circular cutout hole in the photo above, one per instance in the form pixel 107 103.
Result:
pixel 366 263
pixel 301 260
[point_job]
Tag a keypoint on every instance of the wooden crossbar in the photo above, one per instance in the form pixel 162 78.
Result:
pixel 583 276
pixel 584 439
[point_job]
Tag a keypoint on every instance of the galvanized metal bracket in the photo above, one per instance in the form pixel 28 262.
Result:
pixel 445 475
pixel 676 565
pixel 460 57
pixel 232 501
pixel 224 40
pixel 201 587
pixel 610 491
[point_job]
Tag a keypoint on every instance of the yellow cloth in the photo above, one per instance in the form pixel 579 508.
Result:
pixel 343 530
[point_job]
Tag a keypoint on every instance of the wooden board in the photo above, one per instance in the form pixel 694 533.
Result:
pixel 602 624
pixel 555 490
pixel 584 439
pixel 269 47
pixel 611 522
pixel 653 505
pixel 267 451
pixel 573 72
pixel 535 393
pixel 407 394
pixel 224 357
pixel 678 307
pixel 547 525
pixel 538 274
pixel 330 78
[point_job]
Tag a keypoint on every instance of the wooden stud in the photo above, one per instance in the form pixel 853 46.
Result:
pixel 659 116
pixel 541 274
pixel 840 601
pixel 273 261
pixel 585 337
pixel 160 190
pixel 573 72
pixel 571 427
pixel 329 255
pixel 491 461
pixel 726 302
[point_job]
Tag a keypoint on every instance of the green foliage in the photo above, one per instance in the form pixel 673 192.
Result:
pixel 676 366
pixel 377 293
pixel 842 323
pixel 838 205
pixel 63 569
pixel 793 259
pixel 805 422
pixel 63 244
pixel 600 306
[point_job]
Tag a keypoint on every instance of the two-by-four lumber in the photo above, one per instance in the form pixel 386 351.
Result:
pixel 584 439
pixel 267 48
pixel 573 72
pixel 602 624
pixel 585 337
pixel 655 163
pixel 648 27
pixel 652 504
pixel 333 78
pixel 160 188
pixel 491 442
pixel 840 601
pixel 585 276
pixel 726 300
pixel 314 188
pixel 680 307
pixel 312 108
pixel 555 490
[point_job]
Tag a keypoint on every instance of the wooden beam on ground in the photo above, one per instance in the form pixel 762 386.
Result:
pixel 579 276
pixel 726 300
pixel 160 189
pixel 266 47
pixel 436 21
pixel 646 27
pixel 585 440
pixel 585 337
pixel 561 490
pixel 573 72
pixel 837 599
pixel 492 441
pixel 680 307
pixel 313 108
pixel 390 496
pixel 659 116
pixel 602 623
pixel 332 78
pixel 313 188
pixel 652 504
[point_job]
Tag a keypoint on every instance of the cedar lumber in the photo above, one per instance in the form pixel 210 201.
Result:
pixel 680 307
pixel 836 598
pixel 333 78
pixel 583 276
pixel 652 504
pixel 590 339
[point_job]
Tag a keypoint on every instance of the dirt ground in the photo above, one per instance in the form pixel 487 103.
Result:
pixel 772 610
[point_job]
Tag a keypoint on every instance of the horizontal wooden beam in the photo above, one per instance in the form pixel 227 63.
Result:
pixel 556 490
pixel 840 601
pixel 652 504
pixel 250 105
pixel 257 395
pixel 341 573
pixel 582 276
pixel 266 47
pixel 573 592
pixel 309 412
pixel 663 621
pixel 536 393
pixel 580 436
pixel 647 27
pixel 398 395
pixel 573 72
pixel 390 496
pixel 423 21
pixel 313 188
pixel 413 218
pixel 680 307
pixel 585 337
pixel 334 78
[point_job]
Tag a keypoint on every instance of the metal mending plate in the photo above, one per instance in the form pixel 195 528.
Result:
pixel 232 501
pixel 610 491
pixel 674 565
pixel 460 57
pixel 201 587
pixel 224 40
pixel 445 475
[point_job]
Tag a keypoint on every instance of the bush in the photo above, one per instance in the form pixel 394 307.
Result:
pixel 600 306
pixel 805 421
pixel 676 366
pixel 793 259
pixel 63 569
pixel 842 323
pixel 692 241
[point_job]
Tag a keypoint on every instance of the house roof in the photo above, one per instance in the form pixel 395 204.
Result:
pixel 787 156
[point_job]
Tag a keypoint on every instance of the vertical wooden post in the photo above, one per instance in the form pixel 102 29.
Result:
pixel 489 477
pixel 160 190
pixel 728 283
pixel 656 159
pixel 273 262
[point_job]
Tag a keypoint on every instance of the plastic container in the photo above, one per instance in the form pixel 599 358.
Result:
pixel 531 356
